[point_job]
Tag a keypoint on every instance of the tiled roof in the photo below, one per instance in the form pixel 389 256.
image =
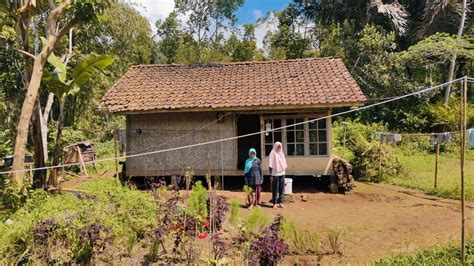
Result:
pixel 299 83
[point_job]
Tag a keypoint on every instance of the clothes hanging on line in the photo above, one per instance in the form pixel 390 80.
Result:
pixel 470 137
pixel 397 138
pixel 389 138
pixel 378 136
pixel 441 138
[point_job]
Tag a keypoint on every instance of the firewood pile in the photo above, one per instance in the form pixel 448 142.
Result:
pixel 343 172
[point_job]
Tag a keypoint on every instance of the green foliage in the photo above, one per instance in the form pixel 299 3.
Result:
pixel 118 213
pixel 105 149
pixel 339 40
pixel 5 142
pixel 234 212
pixel 335 238
pixel 124 33
pixel 84 70
pixel 202 16
pixel 256 221
pixel 197 202
pixel 248 190
pixel 171 36
pixel 302 241
pixel 344 132
pixel 245 49
pixel 359 140
pixel 69 136
pixel 379 67
pixel 447 117
pixel 448 255
pixel 438 49
pixel 292 39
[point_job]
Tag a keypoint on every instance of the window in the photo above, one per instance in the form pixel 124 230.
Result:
pixel 273 136
pixel 309 139
pixel 317 137
pixel 295 138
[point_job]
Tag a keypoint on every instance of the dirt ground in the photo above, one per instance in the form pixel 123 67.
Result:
pixel 378 221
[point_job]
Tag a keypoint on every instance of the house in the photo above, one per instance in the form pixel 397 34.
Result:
pixel 168 106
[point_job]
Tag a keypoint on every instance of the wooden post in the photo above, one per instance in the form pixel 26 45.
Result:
pixel 83 165
pixel 436 166
pixel 116 135
pixel 380 159
pixel 208 163
pixel 463 147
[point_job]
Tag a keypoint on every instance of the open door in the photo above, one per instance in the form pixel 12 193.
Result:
pixel 247 124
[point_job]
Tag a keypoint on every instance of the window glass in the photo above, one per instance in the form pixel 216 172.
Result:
pixel 317 137
pixel 322 135
pixel 295 138
pixel 272 136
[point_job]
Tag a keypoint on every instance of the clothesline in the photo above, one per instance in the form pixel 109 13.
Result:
pixel 439 138
pixel 245 135
pixel 427 134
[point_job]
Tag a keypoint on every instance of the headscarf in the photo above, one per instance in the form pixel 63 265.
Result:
pixel 277 159
pixel 248 163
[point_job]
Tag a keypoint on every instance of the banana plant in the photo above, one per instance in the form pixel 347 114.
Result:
pixel 58 83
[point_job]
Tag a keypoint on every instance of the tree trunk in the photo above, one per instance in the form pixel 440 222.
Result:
pixel 454 56
pixel 25 117
pixel 53 36
pixel 44 126
pixel 53 179
pixel 39 177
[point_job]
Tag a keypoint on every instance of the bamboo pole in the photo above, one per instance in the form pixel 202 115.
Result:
pixel 463 146
pixel 436 166
pixel 208 156
pixel 116 135
pixel 380 160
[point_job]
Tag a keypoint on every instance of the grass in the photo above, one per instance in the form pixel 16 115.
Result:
pixel 418 172
pixel 124 212
pixel 447 255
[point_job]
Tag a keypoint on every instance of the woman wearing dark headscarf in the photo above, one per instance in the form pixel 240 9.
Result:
pixel 253 177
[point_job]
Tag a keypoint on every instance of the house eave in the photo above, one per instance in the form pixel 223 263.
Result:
pixel 237 109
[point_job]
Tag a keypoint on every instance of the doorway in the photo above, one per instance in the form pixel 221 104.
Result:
pixel 247 124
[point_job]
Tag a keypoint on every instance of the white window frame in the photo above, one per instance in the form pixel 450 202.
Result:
pixel 305 118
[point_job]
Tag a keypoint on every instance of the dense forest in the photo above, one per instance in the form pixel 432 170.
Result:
pixel 390 47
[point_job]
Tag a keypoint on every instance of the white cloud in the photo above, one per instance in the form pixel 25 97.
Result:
pixel 263 27
pixel 160 9
pixel 154 9
pixel 257 14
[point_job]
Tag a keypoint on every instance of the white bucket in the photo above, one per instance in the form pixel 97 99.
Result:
pixel 288 186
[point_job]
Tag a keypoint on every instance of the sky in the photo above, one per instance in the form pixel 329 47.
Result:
pixel 249 12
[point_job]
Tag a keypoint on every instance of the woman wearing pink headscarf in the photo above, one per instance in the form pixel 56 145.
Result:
pixel 277 164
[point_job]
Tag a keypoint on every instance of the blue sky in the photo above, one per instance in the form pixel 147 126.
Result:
pixel 253 9
pixel 249 12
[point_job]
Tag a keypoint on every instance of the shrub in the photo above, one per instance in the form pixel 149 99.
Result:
pixel 347 132
pixel 69 228
pixel 220 209
pixel 269 248
pixel 234 212
pixel 197 202
pixel 360 141
pixel 366 161
pixel 256 221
